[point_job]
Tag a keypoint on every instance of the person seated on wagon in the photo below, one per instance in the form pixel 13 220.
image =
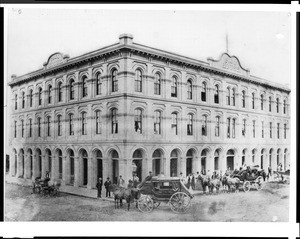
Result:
pixel 148 178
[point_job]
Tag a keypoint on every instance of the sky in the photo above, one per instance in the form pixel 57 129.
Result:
pixel 261 40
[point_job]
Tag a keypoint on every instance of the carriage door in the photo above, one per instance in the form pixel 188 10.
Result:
pixel 230 159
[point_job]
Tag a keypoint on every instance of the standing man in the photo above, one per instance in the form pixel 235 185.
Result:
pixel 106 185
pixel 121 182
pixel 99 187
pixel 193 182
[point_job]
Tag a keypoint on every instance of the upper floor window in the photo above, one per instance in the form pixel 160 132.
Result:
pixel 253 122
pixel 174 87
pixel 30 97
pixel 228 96
pixel 278 130
pixel 189 90
pixel 270 130
pixel 59 125
pixel 15 129
pixel 59 91
pixel 16 101
pixel 233 97
pixel 98 122
pixel 114 121
pixel 203 92
pixel 98 83
pixel 284 106
pixel 216 94
pixel 84 86
pixel 83 123
pixel 233 128
pixel 157 84
pixel 30 128
pixel 204 125
pixel 277 105
pixel 23 100
pixel 284 131
pixel 228 127
pixel 190 125
pixel 262 130
pixel 72 89
pixel 49 94
pixel 270 104
pixel 40 95
pixel 49 126
pixel 157 122
pixel 262 102
pixel 244 127
pixel 253 100
pixel 71 124
pixel 114 80
pixel 217 128
pixel 243 99
pixel 138 81
pixel 39 126
pixel 138 116
pixel 22 128
pixel 174 125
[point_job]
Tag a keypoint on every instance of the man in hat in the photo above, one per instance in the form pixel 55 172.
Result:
pixel 106 185
pixel 99 187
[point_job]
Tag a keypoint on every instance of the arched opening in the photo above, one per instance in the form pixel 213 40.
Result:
pixel 115 166
pixel 253 156
pixel 216 159
pixel 60 163
pixel 230 159
pixel 22 162
pixel 15 162
pixel 156 161
pixel 203 160
pixel 270 157
pixel 71 167
pixel 30 163
pixel 190 161
pixel 285 165
pixel 137 163
pixel 48 160
pixel 99 164
pixel 278 156
pixel 39 163
pixel 84 166
pixel 174 163
pixel 262 158
pixel 244 156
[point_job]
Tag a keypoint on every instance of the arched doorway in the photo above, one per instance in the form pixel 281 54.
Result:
pixel 156 161
pixel 49 161
pixel 60 163
pixel 278 157
pixel 174 163
pixel 22 162
pixel 216 159
pixel 262 158
pixel 244 156
pixel 137 159
pixel 115 166
pixel 30 163
pixel 254 151
pixel 71 167
pixel 84 167
pixel 39 163
pixel 270 157
pixel 203 160
pixel 230 159
pixel 99 165
pixel 285 163
pixel 190 161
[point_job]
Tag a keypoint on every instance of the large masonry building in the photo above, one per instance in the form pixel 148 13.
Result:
pixel 128 107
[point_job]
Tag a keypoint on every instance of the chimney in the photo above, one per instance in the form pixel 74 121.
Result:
pixel 125 39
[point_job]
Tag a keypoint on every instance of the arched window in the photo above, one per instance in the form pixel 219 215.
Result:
pixel 204 125
pixel 16 101
pixel 72 166
pixel 30 128
pixel 59 92
pixel 71 124
pixel 190 125
pixel 23 99
pixel 253 155
pixel 15 129
pixel 59 125
pixel 157 122
pixel 277 105
pixel 228 127
pixel 114 121
pixel 284 131
pixel 233 97
pixel 83 123
pixel 98 83
pixel 262 102
pixel 174 124
pixel 49 94
pixel 189 90
pixel 60 163
pixel 244 127
pixel 278 156
pixel 243 99
pixel 174 87
pixel 114 80
pixel 284 106
pixel 84 86
pixel 253 100
pixel 72 89
pixel 278 130
pixel 271 130
pixel 217 128
pixel 157 84
pixel 40 95
pixel 39 123
pixel 203 161
pixel 228 96
pixel 22 128
pixel 138 81
pixel 48 125
pixel 98 121
pixel 30 97
pixel 203 92
pixel 216 95
pixel 138 116
pixel 270 103
pixel 233 128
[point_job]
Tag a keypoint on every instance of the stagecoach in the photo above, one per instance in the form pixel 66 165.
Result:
pixel 164 189
pixel 41 186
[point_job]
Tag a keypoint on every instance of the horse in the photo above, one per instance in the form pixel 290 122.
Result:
pixel 204 179
pixel 121 193
pixel 231 182
pixel 214 183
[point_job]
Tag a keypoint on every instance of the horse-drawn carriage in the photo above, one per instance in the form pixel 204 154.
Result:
pixel 41 186
pixel 164 189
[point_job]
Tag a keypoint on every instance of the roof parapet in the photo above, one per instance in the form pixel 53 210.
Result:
pixel 125 39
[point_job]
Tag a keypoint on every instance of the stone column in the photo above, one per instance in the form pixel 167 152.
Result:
pixel 54 174
pixel 209 162
pixel 163 166
pixel 148 166
pixel 167 169
pixel 77 178
pixel 195 165
pixel 44 169
pixel 35 165
pixel 183 166
pixel 90 172
pixel 66 170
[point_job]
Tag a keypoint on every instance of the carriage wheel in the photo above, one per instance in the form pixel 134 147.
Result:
pixel 156 204
pixel 246 186
pixel 145 204
pixel 180 202
pixel 259 183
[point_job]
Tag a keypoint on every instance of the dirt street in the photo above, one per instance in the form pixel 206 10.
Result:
pixel 271 203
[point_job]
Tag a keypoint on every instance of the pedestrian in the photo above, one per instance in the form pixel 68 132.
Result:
pixel 107 185
pixel 130 184
pixel 121 182
pixel 193 182
pixel 188 181
pixel 99 187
